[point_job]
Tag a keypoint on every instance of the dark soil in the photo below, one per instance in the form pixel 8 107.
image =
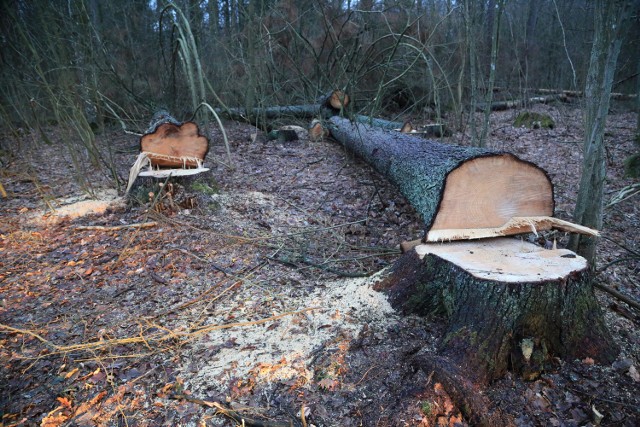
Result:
pixel 105 327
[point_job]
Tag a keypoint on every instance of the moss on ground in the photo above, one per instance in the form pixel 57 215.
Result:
pixel 534 121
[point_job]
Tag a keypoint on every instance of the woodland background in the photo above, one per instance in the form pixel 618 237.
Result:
pixel 79 81
pixel 84 64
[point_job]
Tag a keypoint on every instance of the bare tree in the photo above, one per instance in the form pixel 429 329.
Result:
pixel 609 16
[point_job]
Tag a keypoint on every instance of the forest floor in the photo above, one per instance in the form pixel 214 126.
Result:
pixel 244 297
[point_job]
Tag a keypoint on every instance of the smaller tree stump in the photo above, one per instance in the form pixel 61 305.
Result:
pixel 170 143
pixel 170 149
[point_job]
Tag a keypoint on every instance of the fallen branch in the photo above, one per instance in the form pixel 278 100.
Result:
pixel 618 295
pixel 115 227
pixel 234 415
pixel 517 103
pixel 148 340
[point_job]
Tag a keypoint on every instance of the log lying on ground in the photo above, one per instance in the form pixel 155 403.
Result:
pixel 327 106
pixel 507 303
pixel 436 129
pixel 579 93
pixel 517 103
pixel 452 187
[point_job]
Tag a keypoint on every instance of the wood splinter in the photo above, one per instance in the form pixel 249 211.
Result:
pixel 516 225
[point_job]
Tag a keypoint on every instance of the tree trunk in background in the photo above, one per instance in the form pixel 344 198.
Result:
pixel 497 14
pixel 638 101
pixel 532 18
pixel 471 47
pixel 609 20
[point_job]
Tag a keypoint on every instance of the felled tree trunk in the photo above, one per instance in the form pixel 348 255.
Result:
pixel 518 103
pixel 433 130
pixel 578 93
pixel 508 303
pixel 457 190
pixel 328 105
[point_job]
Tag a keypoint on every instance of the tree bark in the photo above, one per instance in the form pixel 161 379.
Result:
pixel 604 55
pixel 328 105
pixel 517 103
pixel 451 187
pixel 535 306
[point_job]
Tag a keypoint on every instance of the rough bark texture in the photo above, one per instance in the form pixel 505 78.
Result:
pixel 254 115
pixel 493 325
pixel 420 169
pixel 604 56
pixel 327 106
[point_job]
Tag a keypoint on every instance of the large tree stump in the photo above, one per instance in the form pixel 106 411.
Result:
pixel 508 304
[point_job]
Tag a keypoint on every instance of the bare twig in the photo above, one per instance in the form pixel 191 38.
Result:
pixel 618 295
pixel 115 227
pixel 154 338
pixel 231 414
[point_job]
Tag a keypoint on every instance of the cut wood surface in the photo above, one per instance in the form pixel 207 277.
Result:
pixel 169 148
pixel 509 304
pixel 165 173
pixel 507 259
pixel 336 99
pixel 515 225
pixel 452 187
pixel 171 143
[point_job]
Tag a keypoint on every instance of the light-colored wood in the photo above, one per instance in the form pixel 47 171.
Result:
pixel 338 100
pixel 406 128
pixel 487 192
pixel 507 259
pixel 175 146
pixel 515 225
pixel 317 132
